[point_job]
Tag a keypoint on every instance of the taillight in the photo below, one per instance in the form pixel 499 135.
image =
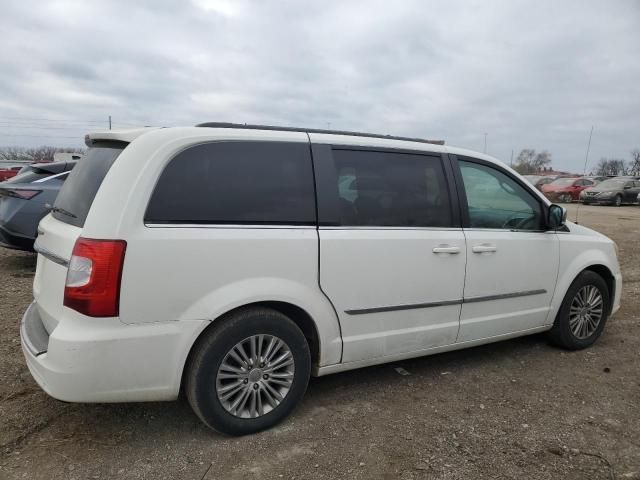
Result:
pixel 94 275
pixel 24 194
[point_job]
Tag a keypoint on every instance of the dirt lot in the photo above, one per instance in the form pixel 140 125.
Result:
pixel 517 409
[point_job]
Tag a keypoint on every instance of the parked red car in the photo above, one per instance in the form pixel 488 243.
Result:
pixel 8 172
pixel 566 189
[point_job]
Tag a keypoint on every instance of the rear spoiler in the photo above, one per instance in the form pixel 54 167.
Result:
pixel 126 136
pixel 53 167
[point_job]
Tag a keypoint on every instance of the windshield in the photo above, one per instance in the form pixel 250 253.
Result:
pixel 613 183
pixel 77 194
pixel 563 181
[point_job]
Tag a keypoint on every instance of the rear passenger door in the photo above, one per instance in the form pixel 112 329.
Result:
pixel 392 253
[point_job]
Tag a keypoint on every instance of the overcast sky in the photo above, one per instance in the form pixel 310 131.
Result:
pixel 531 74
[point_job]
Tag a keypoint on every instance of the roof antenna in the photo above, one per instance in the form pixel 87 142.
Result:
pixel 584 171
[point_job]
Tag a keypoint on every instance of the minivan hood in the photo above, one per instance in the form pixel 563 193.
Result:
pixel 577 229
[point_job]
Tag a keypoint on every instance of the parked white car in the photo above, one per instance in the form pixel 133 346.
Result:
pixel 236 261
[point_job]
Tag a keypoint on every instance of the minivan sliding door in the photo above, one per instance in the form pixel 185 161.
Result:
pixel 392 258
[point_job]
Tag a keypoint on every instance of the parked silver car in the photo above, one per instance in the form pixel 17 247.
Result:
pixel 24 199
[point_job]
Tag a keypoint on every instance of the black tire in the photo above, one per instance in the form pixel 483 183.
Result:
pixel 211 349
pixel 566 198
pixel 561 334
pixel 617 201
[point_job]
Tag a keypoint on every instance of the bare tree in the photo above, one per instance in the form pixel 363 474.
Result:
pixel 44 153
pixel 528 161
pixel 634 165
pixel 611 166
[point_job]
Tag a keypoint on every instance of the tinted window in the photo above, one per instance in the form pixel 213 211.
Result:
pixel 80 188
pixel 495 200
pixel 236 183
pixel 391 189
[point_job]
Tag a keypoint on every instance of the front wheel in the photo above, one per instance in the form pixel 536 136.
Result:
pixel 617 201
pixel 583 313
pixel 248 372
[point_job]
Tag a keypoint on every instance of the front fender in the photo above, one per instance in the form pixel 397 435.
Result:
pixel 572 265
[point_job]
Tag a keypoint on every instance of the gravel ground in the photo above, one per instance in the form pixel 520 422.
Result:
pixel 516 409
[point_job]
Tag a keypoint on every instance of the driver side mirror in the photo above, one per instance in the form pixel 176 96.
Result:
pixel 557 216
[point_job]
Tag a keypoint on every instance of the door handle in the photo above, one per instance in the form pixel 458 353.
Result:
pixel 484 248
pixel 446 249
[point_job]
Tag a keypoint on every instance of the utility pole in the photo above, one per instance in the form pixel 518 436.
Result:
pixel 485 143
pixel 586 156
pixel 511 161
pixel 109 122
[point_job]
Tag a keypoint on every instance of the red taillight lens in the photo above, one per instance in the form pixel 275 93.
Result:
pixel 93 278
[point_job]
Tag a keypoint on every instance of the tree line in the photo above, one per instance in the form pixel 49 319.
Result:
pixel 529 162
pixel 43 153
pixel 619 166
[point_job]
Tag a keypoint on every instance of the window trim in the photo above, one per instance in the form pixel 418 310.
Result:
pixel 230 224
pixel 464 206
pixel 327 187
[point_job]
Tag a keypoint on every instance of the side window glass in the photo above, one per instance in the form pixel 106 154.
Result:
pixel 497 201
pixel 236 183
pixel 391 189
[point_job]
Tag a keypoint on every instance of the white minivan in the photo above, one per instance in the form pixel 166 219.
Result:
pixel 234 261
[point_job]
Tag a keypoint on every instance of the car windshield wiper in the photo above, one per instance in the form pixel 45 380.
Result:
pixel 61 210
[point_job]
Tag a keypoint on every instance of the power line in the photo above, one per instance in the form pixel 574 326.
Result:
pixel 79 127
pixel 79 137
pixel 33 119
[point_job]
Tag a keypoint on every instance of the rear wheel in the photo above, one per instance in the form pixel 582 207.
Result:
pixel 249 372
pixel 617 201
pixel 583 313
pixel 565 198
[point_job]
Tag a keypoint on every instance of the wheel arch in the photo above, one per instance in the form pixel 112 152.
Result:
pixel 297 314
pixel 607 275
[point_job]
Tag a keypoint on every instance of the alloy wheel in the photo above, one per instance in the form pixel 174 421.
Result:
pixel 255 376
pixel 586 312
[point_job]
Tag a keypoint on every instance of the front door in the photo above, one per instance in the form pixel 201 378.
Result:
pixel 512 262
pixel 392 260
pixel 631 191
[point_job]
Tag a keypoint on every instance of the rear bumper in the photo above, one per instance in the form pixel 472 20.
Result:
pixel 10 239
pixel 102 360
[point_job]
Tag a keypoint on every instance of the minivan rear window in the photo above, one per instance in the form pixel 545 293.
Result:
pixel 79 190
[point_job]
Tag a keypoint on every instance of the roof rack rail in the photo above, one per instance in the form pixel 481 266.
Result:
pixel 315 130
